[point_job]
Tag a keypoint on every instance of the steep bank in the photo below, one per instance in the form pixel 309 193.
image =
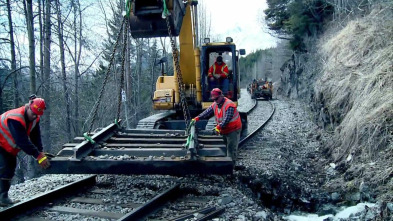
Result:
pixel 347 77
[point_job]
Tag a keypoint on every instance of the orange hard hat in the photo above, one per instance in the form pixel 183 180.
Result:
pixel 216 92
pixel 37 105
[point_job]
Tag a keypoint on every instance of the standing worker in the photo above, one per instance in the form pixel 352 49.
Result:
pixel 19 130
pixel 228 121
pixel 218 75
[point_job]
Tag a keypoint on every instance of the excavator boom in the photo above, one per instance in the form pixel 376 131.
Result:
pixel 146 18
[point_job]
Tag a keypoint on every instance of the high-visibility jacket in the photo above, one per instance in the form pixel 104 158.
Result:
pixel 218 71
pixel 6 140
pixel 234 124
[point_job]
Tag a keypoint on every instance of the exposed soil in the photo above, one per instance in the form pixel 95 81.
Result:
pixel 285 167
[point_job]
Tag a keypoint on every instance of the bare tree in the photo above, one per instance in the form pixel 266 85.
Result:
pixel 13 59
pixel 41 4
pixel 28 9
pixel 63 70
pixel 77 57
pixel 204 22
pixel 47 70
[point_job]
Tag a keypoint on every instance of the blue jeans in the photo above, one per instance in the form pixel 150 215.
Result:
pixel 223 84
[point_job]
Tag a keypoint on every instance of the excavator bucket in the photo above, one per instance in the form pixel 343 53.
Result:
pixel 146 18
pixel 119 151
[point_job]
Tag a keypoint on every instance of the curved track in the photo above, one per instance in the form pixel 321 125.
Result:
pixel 260 114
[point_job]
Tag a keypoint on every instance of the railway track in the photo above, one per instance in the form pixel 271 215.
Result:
pixel 261 113
pixel 174 199
pixel 88 199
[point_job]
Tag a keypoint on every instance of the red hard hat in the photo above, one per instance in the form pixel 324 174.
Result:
pixel 216 92
pixel 37 105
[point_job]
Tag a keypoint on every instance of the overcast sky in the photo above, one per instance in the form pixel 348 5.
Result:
pixel 241 20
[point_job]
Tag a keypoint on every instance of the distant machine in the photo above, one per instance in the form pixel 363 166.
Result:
pixel 261 89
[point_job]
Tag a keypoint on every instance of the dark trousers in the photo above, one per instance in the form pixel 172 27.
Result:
pixel 7 165
pixel 231 140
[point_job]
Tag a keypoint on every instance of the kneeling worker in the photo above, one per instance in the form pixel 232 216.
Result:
pixel 19 130
pixel 228 121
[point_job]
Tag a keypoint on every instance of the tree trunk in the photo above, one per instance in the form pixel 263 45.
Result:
pixel 77 54
pixel 13 59
pixel 46 89
pixel 40 13
pixel 28 7
pixel 138 74
pixel 63 70
pixel 127 74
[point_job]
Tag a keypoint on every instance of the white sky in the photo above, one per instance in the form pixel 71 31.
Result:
pixel 241 20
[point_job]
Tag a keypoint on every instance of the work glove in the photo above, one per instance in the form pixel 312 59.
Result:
pixel 195 119
pixel 43 161
pixel 49 155
pixel 217 129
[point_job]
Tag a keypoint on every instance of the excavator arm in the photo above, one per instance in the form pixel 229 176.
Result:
pixel 146 17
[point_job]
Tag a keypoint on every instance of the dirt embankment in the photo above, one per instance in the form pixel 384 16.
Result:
pixel 350 87
pixel 356 88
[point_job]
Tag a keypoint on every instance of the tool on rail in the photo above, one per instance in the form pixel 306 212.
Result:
pixel 164 143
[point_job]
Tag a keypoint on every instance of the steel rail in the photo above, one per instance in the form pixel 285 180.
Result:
pixel 250 135
pixel 154 204
pixel 192 214
pixel 41 199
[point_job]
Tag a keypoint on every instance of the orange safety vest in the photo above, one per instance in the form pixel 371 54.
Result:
pixel 223 71
pixel 234 124
pixel 6 140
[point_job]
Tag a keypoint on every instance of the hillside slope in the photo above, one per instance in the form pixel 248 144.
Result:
pixel 347 77
pixel 356 87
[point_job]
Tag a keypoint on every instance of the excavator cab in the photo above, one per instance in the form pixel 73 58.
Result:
pixel 209 53
pixel 146 18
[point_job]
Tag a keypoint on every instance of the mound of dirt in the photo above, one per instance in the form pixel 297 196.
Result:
pixel 356 88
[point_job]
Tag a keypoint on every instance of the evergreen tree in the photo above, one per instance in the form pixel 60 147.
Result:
pixel 298 18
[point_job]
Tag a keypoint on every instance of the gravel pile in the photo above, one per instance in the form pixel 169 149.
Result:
pixel 283 164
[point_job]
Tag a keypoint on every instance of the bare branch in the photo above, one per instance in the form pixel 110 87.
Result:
pixel 91 63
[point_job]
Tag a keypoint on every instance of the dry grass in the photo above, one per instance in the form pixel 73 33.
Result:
pixel 357 90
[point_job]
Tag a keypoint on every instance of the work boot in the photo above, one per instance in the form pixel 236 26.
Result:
pixel 4 187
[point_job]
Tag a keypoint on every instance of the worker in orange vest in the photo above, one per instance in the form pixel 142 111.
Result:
pixel 218 75
pixel 228 120
pixel 19 130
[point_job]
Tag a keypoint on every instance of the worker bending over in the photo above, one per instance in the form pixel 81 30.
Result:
pixel 228 121
pixel 19 130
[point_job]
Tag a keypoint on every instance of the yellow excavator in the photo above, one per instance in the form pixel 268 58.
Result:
pixel 164 143
pixel 187 92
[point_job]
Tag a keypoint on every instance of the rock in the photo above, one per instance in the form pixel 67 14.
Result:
pixel 390 207
pixel 225 199
pixel 261 214
pixel 241 218
pixel 335 197
pixel 370 215
pixel 353 197
pixel 328 209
